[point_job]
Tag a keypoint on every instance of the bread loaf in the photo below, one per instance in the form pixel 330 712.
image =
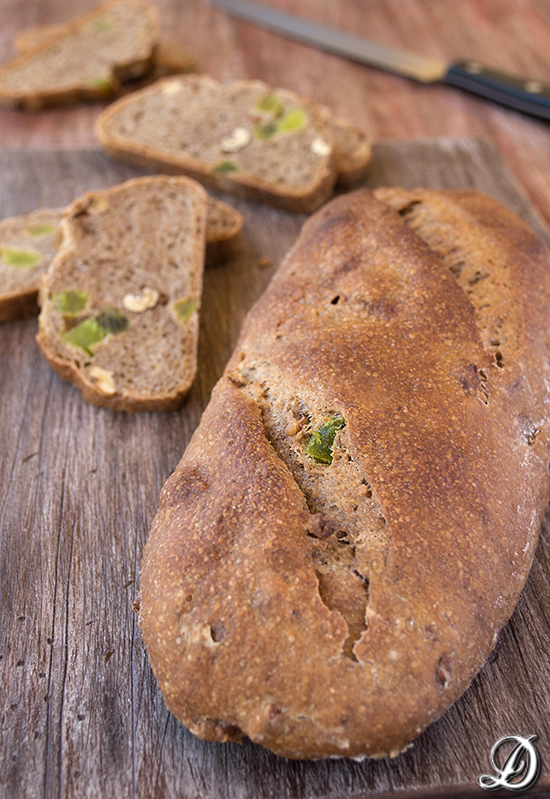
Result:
pixel 28 244
pixel 86 59
pixel 244 137
pixel 356 515
pixel 120 301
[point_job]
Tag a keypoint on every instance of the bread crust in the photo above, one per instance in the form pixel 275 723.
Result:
pixel 18 305
pixel 337 610
pixel 36 36
pixel 353 150
pixel 224 227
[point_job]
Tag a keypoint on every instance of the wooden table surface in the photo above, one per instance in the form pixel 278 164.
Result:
pixel 80 704
pixel 80 710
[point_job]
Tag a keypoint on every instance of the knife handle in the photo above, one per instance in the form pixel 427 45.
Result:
pixel 529 96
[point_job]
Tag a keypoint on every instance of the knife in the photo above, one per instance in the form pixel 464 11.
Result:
pixel 521 94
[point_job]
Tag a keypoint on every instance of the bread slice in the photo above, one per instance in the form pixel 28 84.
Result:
pixel 352 148
pixel 120 301
pixel 88 59
pixel 243 137
pixel 223 232
pixel 27 245
pixel 356 515
pixel 169 58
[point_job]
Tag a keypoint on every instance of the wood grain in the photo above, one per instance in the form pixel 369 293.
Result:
pixel 80 712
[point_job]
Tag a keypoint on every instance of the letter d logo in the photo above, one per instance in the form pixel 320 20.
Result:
pixel 519 771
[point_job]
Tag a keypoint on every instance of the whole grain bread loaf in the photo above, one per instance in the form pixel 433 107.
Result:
pixel 356 515
pixel 120 301
pixel 28 245
pixel 88 58
pixel 243 137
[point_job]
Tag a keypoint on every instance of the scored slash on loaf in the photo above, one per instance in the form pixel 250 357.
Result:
pixel 356 515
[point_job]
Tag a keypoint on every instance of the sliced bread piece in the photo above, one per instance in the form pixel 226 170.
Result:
pixel 244 137
pixel 223 232
pixel 120 301
pixel 352 148
pixel 87 59
pixel 27 245
pixel 169 58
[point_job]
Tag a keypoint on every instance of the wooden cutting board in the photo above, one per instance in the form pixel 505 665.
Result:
pixel 80 712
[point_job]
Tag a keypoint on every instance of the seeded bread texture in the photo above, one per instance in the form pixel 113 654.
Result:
pixel 355 517
pixel 120 301
pixel 27 245
pixel 244 137
pixel 88 59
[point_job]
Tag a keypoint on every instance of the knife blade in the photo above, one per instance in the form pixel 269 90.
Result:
pixel 522 94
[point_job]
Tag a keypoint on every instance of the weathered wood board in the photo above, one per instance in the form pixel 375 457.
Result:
pixel 80 712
